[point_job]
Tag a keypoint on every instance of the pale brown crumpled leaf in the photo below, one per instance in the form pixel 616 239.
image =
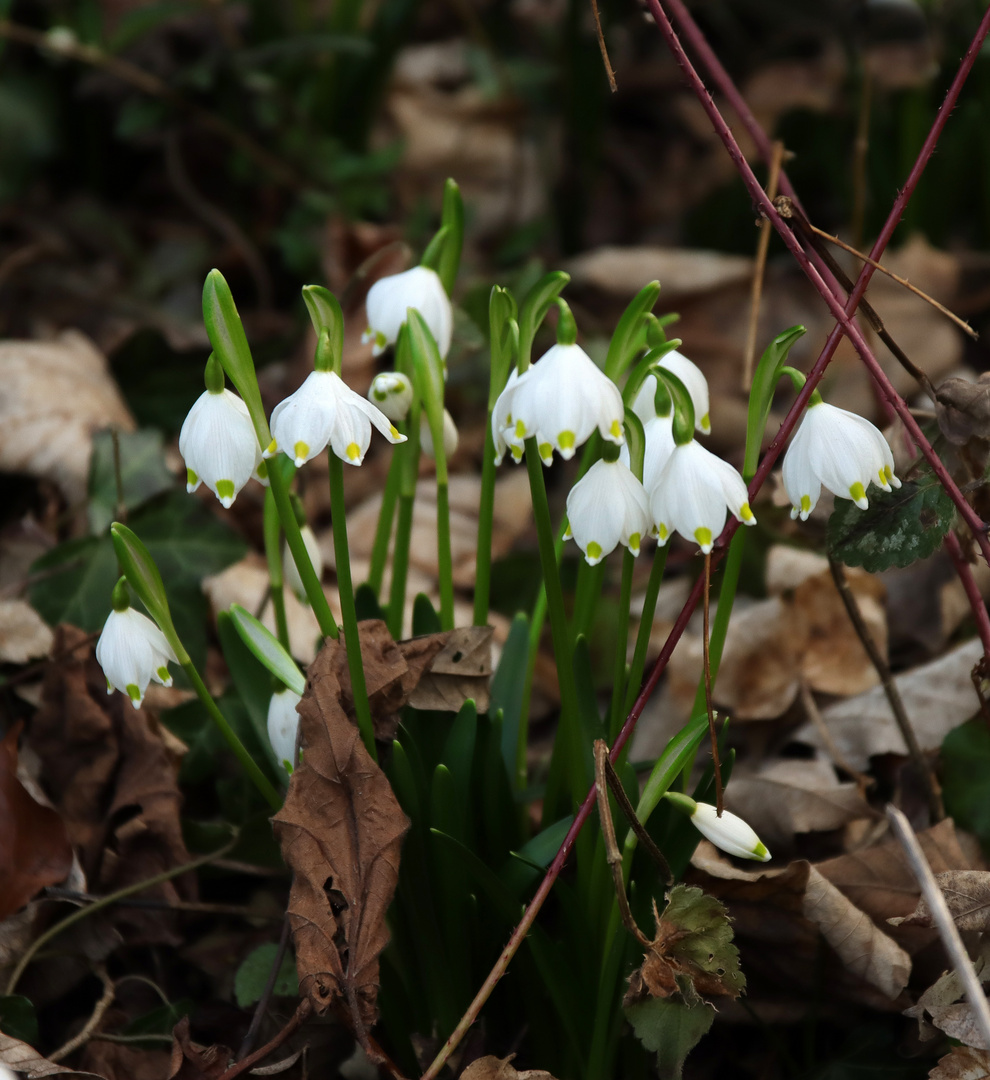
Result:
pixel 24 635
pixel 784 910
pixel 962 1063
pixel 493 1068
pixel 56 395
pixel 29 1063
pixel 967 894
pixel 941 1006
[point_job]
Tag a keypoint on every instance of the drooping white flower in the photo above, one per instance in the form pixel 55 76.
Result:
pixel 283 724
pixel 219 445
pixel 392 392
pixel 837 449
pixel 502 420
pixel 326 410
pixel 728 832
pixel 693 494
pixel 390 298
pixel 132 651
pixel 559 400
pixel 659 433
pixel 290 572
pixel 607 506
pixel 694 382
pixel 450 436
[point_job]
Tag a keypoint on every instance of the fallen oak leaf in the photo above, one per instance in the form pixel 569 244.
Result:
pixel 340 831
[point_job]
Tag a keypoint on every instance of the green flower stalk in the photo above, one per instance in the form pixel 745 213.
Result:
pixel 142 574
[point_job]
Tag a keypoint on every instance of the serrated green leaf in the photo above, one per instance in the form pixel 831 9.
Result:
pixel 142 473
pixel 705 937
pixel 898 528
pixel 252 976
pixel 671 1029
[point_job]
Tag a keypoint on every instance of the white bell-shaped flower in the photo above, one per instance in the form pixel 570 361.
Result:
pixel 132 651
pixel 694 382
pixel 392 392
pixel 659 433
pixel 390 298
pixel 693 494
pixel 326 410
pixel 283 724
pixel 502 421
pixel 219 445
pixel 606 507
pixel 840 451
pixel 560 400
pixel 728 832
pixel 290 572
pixel 450 436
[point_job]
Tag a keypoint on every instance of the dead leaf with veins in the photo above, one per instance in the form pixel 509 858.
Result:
pixel 962 1063
pixel 56 396
pixel 341 831
pixel 967 894
pixel 28 1063
pixel 493 1068
pixel 24 635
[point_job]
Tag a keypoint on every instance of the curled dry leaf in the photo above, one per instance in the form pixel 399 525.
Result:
pixel 962 408
pixel 789 907
pixel 691 955
pixel 28 1063
pixel 967 893
pixel 340 830
pixel 57 394
pixel 34 848
pixel 493 1068
pixel 962 1063
pixel 24 635
pixel 114 780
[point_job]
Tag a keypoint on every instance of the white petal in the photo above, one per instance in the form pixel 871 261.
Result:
pixel 132 651
pixel 219 445
pixel 694 382
pixel 729 832
pixel 419 288
pixel 283 724
pixel 302 423
pixel 391 392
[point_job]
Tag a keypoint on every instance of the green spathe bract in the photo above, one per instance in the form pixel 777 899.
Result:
pixel 265 646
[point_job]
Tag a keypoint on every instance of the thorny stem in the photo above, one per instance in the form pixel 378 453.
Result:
pixel 707 674
pixel 921 764
pixel 701 46
pixel 106 901
pixel 843 316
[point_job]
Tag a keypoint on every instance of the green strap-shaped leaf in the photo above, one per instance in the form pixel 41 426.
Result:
pixel 452 219
pixel 143 577
pixel 265 646
pixel 534 311
pixel 765 378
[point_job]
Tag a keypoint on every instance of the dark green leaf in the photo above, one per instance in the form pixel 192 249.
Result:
pixel 18 1018
pixel 142 472
pixel 252 975
pixel 966 777
pixel 898 527
pixel 672 1029
pixel 507 686
pixel 425 619
pixel 74 582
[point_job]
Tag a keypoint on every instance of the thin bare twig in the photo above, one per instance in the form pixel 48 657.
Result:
pixel 942 917
pixel 93 1022
pixel 951 315
pixel 814 714
pixel 602 47
pixel 266 994
pixel 894 699
pixel 300 1015
pixel 759 269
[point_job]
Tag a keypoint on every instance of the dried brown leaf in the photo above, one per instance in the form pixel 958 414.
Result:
pixel 461 670
pixel 34 848
pixel 56 395
pixel 493 1068
pixel 963 409
pixel 27 1062
pixel 340 830
pixel 24 635
pixel 118 1062
pixel 967 893
pixel 962 1063
pixel 191 1062
pixel 942 1005
pixel 113 779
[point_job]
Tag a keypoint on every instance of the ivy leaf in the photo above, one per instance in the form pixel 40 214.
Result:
pixel 897 529
pixel 142 474
pixel 252 976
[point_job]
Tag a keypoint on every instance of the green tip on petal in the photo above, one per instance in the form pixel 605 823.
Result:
pixel 271 449
pixel 634 541
pixel 226 493
pixel 565 440
pixel 192 481
pixel 380 339
pixel 684 803
pixel 353 451
pixel 546 452
pixel 615 430
pixel 593 552
pixel 805 504
pixel 520 430
pixel 858 495
pixel 301 450
pixel 746 514
pixel 262 470
pixel 662 533
pixel 134 693
pixel 760 852
pixel 395 433
pixel 706 424
pixel 704 538
pixel 164 676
